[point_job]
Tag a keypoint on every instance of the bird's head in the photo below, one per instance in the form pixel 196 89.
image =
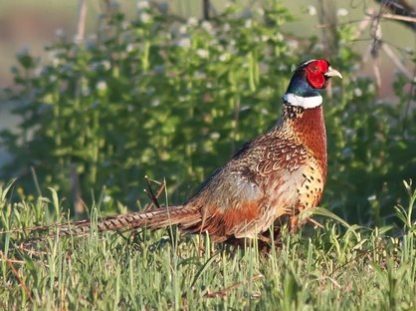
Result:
pixel 308 79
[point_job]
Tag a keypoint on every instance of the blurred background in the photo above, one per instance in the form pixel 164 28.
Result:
pixel 97 94
pixel 29 24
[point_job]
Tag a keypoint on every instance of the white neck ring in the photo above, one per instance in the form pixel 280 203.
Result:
pixel 304 102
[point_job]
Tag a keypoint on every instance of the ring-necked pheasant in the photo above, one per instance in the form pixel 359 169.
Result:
pixel 280 173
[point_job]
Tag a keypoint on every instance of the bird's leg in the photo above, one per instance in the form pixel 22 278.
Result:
pixel 233 241
pixel 264 244
pixel 294 224
pixel 272 237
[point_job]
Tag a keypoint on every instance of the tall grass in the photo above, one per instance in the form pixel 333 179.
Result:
pixel 328 268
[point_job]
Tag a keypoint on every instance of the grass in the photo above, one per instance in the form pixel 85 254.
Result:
pixel 329 268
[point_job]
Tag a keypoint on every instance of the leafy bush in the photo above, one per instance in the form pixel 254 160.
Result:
pixel 151 96
pixel 173 99
pixel 372 149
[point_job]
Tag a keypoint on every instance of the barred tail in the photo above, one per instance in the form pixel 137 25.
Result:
pixel 153 219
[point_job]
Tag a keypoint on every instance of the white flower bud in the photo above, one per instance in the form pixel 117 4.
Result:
pixel 192 21
pixel 342 12
pixel 202 53
pixel 145 17
pixel 101 86
pixel 311 10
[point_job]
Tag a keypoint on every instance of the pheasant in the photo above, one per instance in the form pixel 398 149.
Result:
pixel 273 177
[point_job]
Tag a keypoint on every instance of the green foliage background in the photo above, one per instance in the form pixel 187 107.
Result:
pixel 173 98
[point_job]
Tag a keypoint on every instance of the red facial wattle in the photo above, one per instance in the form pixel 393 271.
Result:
pixel 315 73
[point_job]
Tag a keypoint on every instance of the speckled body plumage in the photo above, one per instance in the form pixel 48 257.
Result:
pixel 279 173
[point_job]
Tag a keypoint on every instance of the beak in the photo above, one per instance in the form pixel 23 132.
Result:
pixel 333 73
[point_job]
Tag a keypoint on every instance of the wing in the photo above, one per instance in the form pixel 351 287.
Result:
pixel 237 199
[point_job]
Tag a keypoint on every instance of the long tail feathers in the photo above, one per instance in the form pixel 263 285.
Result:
pixel 153 219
